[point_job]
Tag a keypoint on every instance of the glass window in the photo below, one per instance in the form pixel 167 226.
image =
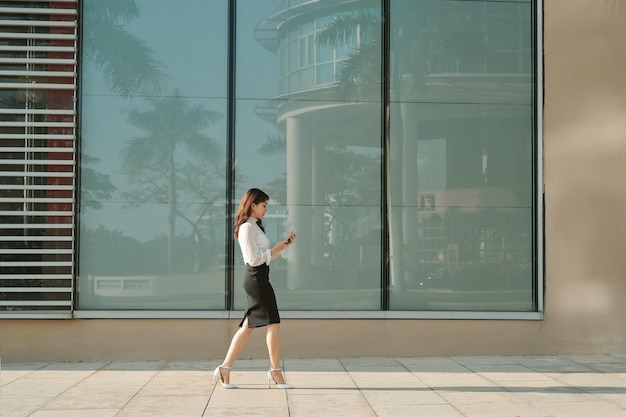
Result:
pixel 153 155
pixel 456 199
pixel 461 157
pixel 317 154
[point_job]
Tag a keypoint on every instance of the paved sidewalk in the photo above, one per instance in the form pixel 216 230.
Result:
pixel 537 386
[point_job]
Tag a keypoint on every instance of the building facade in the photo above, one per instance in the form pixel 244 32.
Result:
pixel 425 153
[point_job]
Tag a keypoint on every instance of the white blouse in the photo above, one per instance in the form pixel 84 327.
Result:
pixel 255 246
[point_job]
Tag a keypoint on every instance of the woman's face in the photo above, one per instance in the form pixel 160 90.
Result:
pixel 258 210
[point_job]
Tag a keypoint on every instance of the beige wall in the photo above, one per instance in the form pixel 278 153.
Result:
pixel 585 232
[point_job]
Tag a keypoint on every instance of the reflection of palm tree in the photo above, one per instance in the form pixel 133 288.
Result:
pixel 423 38
pixel 94 186
pixel 127 63
pixel 170 123
pixel 360 30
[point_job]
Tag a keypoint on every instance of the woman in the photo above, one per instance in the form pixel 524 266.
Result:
pixel 262 309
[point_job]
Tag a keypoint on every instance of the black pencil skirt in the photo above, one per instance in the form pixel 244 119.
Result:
pixel 262 308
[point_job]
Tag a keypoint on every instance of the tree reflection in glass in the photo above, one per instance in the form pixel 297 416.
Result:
pixel 173 127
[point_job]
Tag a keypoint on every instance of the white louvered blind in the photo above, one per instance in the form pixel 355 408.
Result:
pixel 37 157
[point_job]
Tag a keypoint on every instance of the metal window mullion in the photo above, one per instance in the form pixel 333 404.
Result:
pixel 36 86
pixel 35 48
pixel 44 174
pixel 34 136
pixel 56 1
pixel 37 251
pixel 36 290
pixel 36 276
pixel 38 23
pixel 37 10
pixel 27 199
pixel 68 162
pixel 39 187
pixel 36 149
pixel 36 263
pixel 18 73
pixel 36 213
pixel 45 61
pixel 37 238
pixel 39 36
pixel 61 112
pixel 36 226
pixel 36 124
pixel 36 303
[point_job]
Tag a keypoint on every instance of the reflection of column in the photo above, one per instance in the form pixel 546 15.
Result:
pixel 317 195
pixel 395 225
pixel 299 200
pixel 409 174
pixel 404 222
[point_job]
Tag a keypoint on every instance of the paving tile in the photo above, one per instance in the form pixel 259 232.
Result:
pixel 476 361
pixel 502 409
pixel 528 386
pixel 454 380
pixel 20 405
pixel 538 396
pixel 403 397
pixel 321 381
pixel 553 364
pixel 313 365
pixel 386 379
pixel 244 397
pixel 122 377
pixel 329 405
pixel 145 405
pixel 237 411
pixel 369 363
pixel 427 410
pixel 75 413
pixel 191 384
pixel 39 388
pixel 589 380
pixel 583 409
pixel 439 365
pixel 93 397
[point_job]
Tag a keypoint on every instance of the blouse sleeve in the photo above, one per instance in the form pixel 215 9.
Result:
pixel 252 254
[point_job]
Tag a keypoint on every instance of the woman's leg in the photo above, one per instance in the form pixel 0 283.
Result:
pixel 236 344
pixel 273 347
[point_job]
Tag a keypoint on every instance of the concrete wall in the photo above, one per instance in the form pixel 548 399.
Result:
pixel 585 231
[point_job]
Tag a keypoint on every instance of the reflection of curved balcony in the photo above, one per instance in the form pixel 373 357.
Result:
pixel 267 30
pixel 308 70
pixel 292 34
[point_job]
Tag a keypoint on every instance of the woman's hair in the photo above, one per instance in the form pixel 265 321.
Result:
pixel 252 196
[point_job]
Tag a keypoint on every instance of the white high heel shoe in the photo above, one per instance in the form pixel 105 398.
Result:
pixel 270 378
pixel 217 374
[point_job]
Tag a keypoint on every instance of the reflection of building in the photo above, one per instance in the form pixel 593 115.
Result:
pixel 468 106
pixel 314 117
pixel 452 223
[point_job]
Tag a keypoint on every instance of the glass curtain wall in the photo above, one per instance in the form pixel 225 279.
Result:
pixel 461 155
pixel 153 155
pixel 308 130
pixel 455 198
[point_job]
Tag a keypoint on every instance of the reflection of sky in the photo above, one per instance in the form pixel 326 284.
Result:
pixel 256 76
pixel 193 51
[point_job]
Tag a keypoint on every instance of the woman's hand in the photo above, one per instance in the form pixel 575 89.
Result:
pixel 290 238
pixel 282 245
